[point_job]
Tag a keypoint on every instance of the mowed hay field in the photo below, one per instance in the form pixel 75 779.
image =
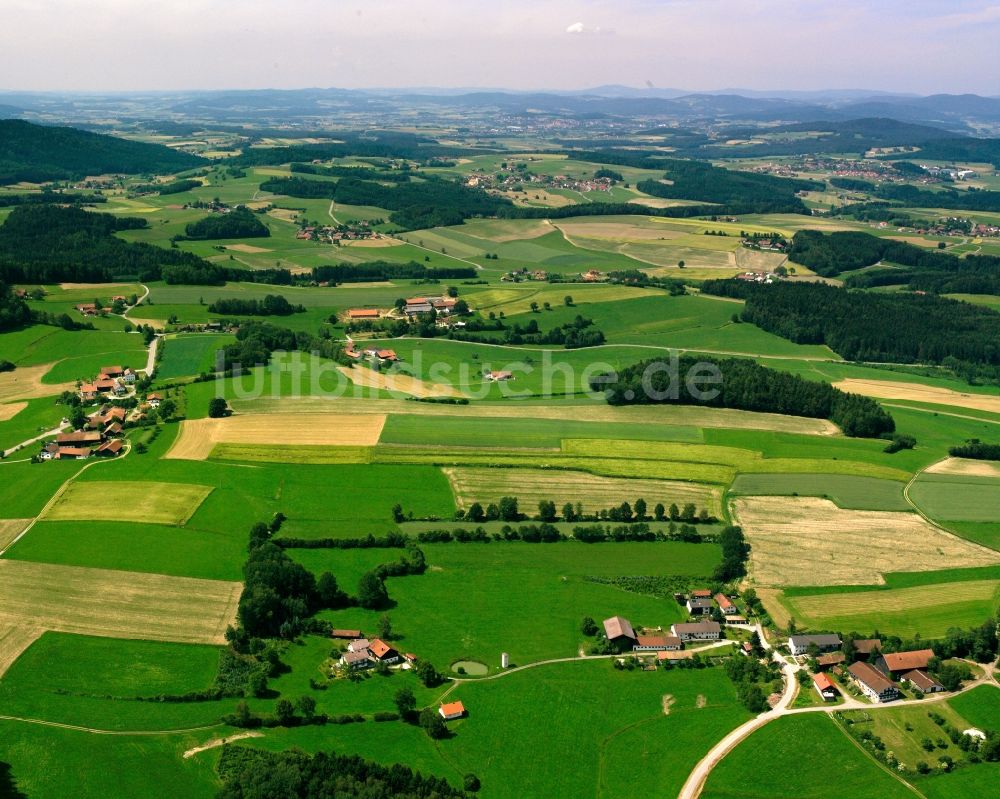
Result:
pixel 595 493
pixel 807 541
pixel 11 409
pixel 397 383
pixel 915 392
pixel 929 610
pixel 128 501
pixel 11 529
pixel 116 604
pixel 25 382
pixel 14 639
pixel 198 437
pixel 965 467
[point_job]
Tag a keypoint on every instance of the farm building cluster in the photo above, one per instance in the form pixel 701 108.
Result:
pixel 334 234
pixel 113 382
pixel 102 437
pixel 875 674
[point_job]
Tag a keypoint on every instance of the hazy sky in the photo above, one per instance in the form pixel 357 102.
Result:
pixel 920 46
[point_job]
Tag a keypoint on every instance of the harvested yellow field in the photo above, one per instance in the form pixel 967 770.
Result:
pixel 382 241
pixel 13 641
pixel 197 437
pixel 485 485
pixel 25 382
pixel 686 415
pixel 810 541
pixel 11 409
pixel 398 383
pixel 247 248
pixel 913 600
pixel 537 197
pixel 138 501
pixel 116 604
pixel 500 230
pixel 888 389
pixel 11 529
pixel 965 468
pixel 617 231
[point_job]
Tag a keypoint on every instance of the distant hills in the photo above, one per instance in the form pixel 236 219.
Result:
pixel 39 153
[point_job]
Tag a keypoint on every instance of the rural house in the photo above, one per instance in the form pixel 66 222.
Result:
pixel 872 683
pixel 451 710
pixel 830 660
pixel 658 643
pixel 350 635
pixel 363 313
pixel 360 645
pixel 922 681
pixel 727 607
pixel 899 662
pixel 863 647
pixel 698 631
pixel 356 660
pixel 620 633
pixel 699 606
pixel 825 642
pixel 382 652
pixel 825 687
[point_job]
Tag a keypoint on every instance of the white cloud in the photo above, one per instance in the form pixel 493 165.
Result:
pixel 579 28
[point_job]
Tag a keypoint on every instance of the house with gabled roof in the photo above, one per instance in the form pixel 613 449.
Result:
pixel 451 710
pixel 698 631
pixel 825 687
pixel 872 683
pixel 900 662
pixel 382 652
pixel 922 681
pixel 825 642
pixel 619 632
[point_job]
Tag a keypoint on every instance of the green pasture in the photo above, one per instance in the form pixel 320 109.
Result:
pixel 958 498
pixel 524 599
pixel 985 533
pixel 788 747
pixel 847 491
pixel 980 707
pixel 39 416
pixel 184 355
pixel 75 354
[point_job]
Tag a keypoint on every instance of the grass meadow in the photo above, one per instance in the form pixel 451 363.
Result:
pixel 789 747
pixel 478 600
pixel 847 491
pixel 957 498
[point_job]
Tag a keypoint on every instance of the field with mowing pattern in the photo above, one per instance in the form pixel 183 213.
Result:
pixel 595 493
pixel 189 354
pixel 198 436
pixel 962 498
pixel 915 392
pixel 128 501
pixel 833 546
pixel 929 610
pixel 116 604
pixel 847 491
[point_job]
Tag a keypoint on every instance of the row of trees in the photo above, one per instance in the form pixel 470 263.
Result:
pixel 371 271
pixel 977 450
pixel 746 385
pixel 507 509
pixel 871 326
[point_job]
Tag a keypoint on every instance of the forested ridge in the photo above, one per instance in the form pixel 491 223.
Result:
pixel 239 223
pixel 431 202
pixel 748 386
pixel 871 326
pixel 922 269
pixel 38 153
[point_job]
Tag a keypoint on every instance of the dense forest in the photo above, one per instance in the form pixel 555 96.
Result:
pixel 976 450
pixel 430 202
pixel 14 311
pixel 915 267
pixel 384 270
pixel 271 305
pixel 49 244
pixel 738 192
pixel 971 199
pixel 748 386
pixel 870 326
pixel 173 187
pixel 239 223
pixel 360 172
pixel 251 773
pixel 38 153
pixel 366 144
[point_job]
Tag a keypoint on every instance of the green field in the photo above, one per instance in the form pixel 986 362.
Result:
pixel 957 498
pixel 847 491
pixel 185 355
pixel 980 707
pixel 478 600
pixel 789 749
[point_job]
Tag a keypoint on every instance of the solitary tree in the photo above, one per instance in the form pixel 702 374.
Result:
pixel 432 723
pixel 284 712
pixel 371 591
pixel 384 626
pixel 405 701
pixel 306 706
pixel 217 408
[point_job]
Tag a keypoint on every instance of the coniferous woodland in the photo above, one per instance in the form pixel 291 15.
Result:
pixel 240 223
pixel 746 385
pixel 271 305
pixel 869 326
pixel 250 773
pixel 918 268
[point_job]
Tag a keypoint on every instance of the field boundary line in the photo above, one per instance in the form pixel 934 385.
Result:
pixel 96 731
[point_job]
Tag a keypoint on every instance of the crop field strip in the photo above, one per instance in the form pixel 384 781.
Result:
pixel 197 437
pixel 116 604
pixel 809 541
pixel 486 485
pixel 961 497
pixel 127 501
pixel 589 412
pixel 15 639
pixel 397 383
pixel 965 467
pixel 847 491
pixel 917 392
pixel 11 529
pixel 25 382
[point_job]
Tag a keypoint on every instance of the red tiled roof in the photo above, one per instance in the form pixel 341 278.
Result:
pixel 907 661
pixel 823 682
pixel 363 313
pixel 701 593
pixel 617 627
pixel 875 680
pixel 452 709
pixel 380 648
pixel 922 680
pixel 723 601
